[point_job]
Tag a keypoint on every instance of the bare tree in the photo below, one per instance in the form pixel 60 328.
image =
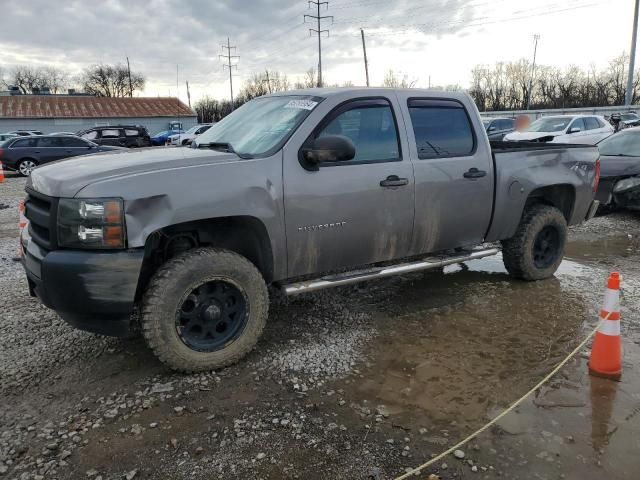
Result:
pixel 505 86
pixel 395 81
pixel 110 81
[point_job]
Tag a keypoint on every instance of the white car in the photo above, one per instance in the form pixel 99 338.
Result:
pixel 188 136
pixel 584 129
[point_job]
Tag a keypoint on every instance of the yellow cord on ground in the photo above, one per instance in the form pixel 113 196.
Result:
pixel 514 405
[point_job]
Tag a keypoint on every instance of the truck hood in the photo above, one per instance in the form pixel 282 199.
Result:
pixel 528 136
pixel 66 178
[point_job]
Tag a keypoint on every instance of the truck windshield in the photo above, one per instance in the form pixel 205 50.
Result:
pixel 549 124
pixel 260 126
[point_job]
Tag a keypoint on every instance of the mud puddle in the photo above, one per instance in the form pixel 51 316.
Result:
pixel 454 349
pixel 454 345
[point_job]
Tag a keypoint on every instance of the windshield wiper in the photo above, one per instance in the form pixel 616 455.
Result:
pixel 223 147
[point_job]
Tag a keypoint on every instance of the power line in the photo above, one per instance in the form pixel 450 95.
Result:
pixel 319 31
pixel 229 65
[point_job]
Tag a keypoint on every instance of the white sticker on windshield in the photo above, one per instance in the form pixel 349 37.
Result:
pixel 304 104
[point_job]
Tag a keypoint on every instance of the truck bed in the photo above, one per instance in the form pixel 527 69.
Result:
pixel 524 168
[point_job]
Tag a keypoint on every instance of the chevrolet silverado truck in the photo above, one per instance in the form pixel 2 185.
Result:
pixel 300 191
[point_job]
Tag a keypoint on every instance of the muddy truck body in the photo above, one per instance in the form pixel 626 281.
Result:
pixel 299 191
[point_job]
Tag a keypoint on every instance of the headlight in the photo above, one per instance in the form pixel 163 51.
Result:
pixel 626 184
pixel 91 223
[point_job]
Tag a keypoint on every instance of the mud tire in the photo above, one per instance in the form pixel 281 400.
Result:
pixel 518 251
pixel 167 290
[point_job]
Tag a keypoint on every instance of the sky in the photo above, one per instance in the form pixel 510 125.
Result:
pixel 434 42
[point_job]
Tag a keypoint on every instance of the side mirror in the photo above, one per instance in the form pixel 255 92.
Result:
pixel 574 130
pixel 330 148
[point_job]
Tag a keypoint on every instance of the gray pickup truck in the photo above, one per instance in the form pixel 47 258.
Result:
pixel 299 190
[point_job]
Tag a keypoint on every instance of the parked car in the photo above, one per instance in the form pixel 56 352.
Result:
pixel 620 121
pixel 187 137
pixel 130 136
pixel 25 154
pixel 26 133
pixel 497 128
pixel 161 138
pixel 582 129
pixel 367 177
pixel 6 136
pixel 620 170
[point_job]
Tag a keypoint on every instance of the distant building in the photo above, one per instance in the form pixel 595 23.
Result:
pixel 73 112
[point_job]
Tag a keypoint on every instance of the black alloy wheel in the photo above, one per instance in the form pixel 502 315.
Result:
pixel 212 315
pixel 546 247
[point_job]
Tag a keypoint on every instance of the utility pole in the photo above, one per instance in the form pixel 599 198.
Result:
pixel 319 31
pixel 177 88
pixel 364 50
pixel 536 37
pixel 634 37
pixel 188 94
pixel 129 74
pixel 229 65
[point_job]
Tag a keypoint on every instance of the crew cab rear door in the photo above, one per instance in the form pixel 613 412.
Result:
pixel 453 173
pixel 353 213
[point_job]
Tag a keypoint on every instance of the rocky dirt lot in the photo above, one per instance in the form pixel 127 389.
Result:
pixel 358 382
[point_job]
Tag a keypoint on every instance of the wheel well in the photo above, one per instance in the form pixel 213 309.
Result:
pixel 26 158
pixel 244 235
pixel 560 196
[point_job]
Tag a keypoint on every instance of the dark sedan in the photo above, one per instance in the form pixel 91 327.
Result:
pixel 23 154
pixel 620 170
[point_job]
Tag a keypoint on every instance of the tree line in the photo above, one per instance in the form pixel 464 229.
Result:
pixel 101 80
pixel 505 85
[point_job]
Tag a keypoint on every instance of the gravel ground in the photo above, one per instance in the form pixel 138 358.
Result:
pixel 348 383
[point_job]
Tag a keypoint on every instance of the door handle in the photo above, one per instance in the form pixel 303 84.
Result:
pixel 474 173
pixel 394 181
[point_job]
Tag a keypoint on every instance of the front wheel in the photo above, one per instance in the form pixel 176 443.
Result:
pixel 26 166
pixel 537 248
pixel 204 309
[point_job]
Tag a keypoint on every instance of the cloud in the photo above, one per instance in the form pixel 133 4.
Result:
pixel 158 34
pixel 443 38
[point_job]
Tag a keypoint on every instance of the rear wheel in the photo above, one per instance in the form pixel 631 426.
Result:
pixel 204 309
pixel 26 166
pixel 537 248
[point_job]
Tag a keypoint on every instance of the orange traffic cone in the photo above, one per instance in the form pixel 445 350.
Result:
pixel 1 173
pixel 606 353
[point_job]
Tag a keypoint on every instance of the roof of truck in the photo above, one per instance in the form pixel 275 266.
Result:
pixel 331 91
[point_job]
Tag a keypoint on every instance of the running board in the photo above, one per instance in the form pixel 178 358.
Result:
pixel 381 272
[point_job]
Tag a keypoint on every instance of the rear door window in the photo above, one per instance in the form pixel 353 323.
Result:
pixel 49 142
pixel 505 124
pixel 111 133
pixel 591 123
pixel 442 128
pixel 73 142
pixel 131 133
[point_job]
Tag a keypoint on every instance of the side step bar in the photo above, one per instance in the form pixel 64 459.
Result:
pixel 381 272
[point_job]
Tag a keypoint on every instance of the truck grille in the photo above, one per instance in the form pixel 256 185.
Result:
pixel 40 210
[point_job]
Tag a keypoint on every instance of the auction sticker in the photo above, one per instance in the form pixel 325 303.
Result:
pixel 303 104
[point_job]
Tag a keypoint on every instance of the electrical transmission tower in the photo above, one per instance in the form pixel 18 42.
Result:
pixel 318 18
pixel 229 65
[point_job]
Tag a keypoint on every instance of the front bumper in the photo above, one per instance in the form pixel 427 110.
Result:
pixel 90 290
